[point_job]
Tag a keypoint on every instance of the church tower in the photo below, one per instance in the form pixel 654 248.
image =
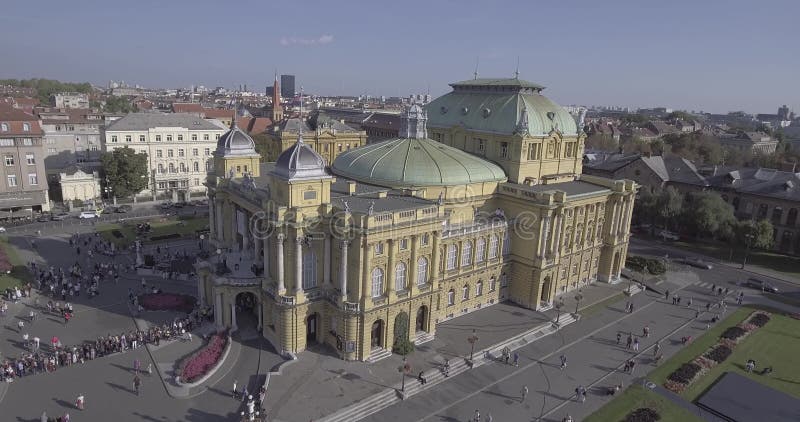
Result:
pixel 277 109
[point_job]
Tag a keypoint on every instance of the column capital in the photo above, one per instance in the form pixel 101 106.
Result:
pixel 280 236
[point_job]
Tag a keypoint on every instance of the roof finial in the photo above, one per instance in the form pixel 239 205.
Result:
pixel 516 72
pixel 477 61
pixel 302 122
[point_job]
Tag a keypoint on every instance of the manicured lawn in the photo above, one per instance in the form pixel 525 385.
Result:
pixel 777 262
pixel 19 271
pixel 635 397
pixel 158 226
pixel 775 344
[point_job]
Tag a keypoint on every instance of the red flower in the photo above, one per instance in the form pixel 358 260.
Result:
pixel 198 364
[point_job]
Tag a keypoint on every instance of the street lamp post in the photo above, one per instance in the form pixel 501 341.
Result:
pixel 472 339
pixel 404 369
pixel 578 299
pixel 558 306
pixel 202 237
pixel 749 239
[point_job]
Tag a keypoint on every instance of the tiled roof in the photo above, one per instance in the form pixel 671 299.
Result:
pixel 759 181
pixel 15 118
pixel 145 121
pixel 187 107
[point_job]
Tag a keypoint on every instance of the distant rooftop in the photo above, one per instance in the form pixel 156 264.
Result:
pixel 145 121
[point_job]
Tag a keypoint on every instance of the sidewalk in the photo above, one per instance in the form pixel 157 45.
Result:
pixel 319 384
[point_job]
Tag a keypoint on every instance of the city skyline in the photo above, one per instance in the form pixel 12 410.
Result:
pixel 715 58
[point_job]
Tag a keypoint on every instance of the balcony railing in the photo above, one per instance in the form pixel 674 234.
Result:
pixel 351 307
pixel 455 230
pixel 378 301
pixel 287 300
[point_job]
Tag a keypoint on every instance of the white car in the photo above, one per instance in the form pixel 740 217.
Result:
pixel 88 214
pixel 2 229
pixel 668 235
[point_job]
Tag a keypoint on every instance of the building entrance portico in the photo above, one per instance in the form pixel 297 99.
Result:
pixel 247 309
pixel 376 337
pixel 312 328
pixel 422 319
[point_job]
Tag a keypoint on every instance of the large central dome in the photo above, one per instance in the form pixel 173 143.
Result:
pixel 411 162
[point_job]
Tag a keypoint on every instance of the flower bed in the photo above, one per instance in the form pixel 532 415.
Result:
pixel 201 362
pixel 643 414
pixel 684 376
pixel 167 302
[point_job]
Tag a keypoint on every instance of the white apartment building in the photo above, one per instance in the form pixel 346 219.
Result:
pixel 70 100
pixel 178 147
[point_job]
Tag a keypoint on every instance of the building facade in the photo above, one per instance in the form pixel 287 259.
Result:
pixel 23 184
pixel 70 100
pixel 397 236
pixel 179 148
pixel 287 86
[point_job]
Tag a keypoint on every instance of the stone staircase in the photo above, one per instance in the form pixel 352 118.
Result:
pixel 422 337
pixel 364 408
pixel 633 289
pixel 378 354
pixel 433 376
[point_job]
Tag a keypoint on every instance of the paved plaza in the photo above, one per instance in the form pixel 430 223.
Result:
pixel 317 383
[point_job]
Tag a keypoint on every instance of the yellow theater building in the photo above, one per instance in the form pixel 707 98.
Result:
pixel 394 237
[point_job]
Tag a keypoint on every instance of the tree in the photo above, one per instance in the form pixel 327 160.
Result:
pixel 402 344
pixel 669 204
pixel 47 87
pixel 119 105
pixel 706 213
pixel 601 142
pixel 126 171
pixel 761 232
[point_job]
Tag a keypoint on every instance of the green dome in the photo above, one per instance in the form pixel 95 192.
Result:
pixel 404 163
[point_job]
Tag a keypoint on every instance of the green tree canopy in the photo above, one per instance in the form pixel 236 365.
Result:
pixel 119 105
pixel 602 142
pixel 706 213
pixel 669 204
pixel 757 233
pixel 125 171
pixel 47 87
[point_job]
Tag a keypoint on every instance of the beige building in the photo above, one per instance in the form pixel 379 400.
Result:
pixel 23 185
pixel 179 148
pixel 397 236
pixel 77 184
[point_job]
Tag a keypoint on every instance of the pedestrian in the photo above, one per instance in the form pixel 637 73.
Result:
pixel 630 311
pixel 674 300
pixel 137 382
pixel 713 287
pixel 244 393
pixel 137 365
pixel 629 341
pixel 563 362
pixel 421 378
pixel 689 303
pixel 44 416
pixel 234 388
pixel 719 291
pixel 632 366
pixel 21 325
pixel 619 337
pixel 65 418
pixel 708 306
pixel 150 368
pixel 666 295
pixel 646 331
pixel 727 290
pixel 80 402
pixel 656 348
pixel 477 416
pixel 516 359
pixel 524 393
pixel 636 344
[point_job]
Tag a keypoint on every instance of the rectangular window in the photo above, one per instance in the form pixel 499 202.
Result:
pixel 170 153
pixel 309 195
pixel 30 159
pixel 534 151
pixel 481 145
pixel 205 136
pixel 162 185
pixel 33 179
pixel 217 136
pixel 12 180
pixel 9 160
pixel 127 138
pixel 451 257
pixel 181 152
pixel 197 182
pixel 465 293
pixel 159 153
pixel 51 150
pixel 158 138
pixel 27 142
pixel 504 149
pixel 425 239
pixel 141 138
pixel 114 138
pixel 403 244
pixel 207 151
pixel 180 137
pixel 379 249
pixel 169 138
pixel 195 152
pixel 6 142
pixel 194 136
pixel 451 298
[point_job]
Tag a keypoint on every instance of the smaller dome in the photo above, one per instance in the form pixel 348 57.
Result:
pixel 299 162
pixel 235 142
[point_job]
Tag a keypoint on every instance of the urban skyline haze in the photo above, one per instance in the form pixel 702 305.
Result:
pixel 713 56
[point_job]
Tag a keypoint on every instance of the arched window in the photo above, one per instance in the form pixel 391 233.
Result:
pixel 208 165
pixel 578 234
pixel 400 277
pixel 479 288
pixel 589 233
pixel 507 243
pixel 493 247
pixel 377 282
pixel 309 269
pixel 196 166
pixel 422 271
pixel 451 257
pixel 466 254
pixel 492 284
pixel 183 167
pixel 480 250
pixel 465 292
pixel 161 168
pixel 171 168
pixel 451 297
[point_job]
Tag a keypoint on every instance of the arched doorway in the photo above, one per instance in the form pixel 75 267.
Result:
pixel 247 311
pixel 545 296
pixel 376 336
pixel 422 318
pixel 311 328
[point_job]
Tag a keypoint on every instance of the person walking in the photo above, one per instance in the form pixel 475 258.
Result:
pixel 629 341
pixel 563 362
pixel 666 294
pixel 137 365
pixel 636 344
pixel 516 358
pixel 524 393
pixel 137 382
pixel 646 331
pixel 656 348
pixel 619 337
pixel 679 301
pixel 235 392
pixel 477 416
pixel 150 368
pixel 80 402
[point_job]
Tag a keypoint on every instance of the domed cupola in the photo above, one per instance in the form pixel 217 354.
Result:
pixel 235 142
pixel 300 162
pixel 236 154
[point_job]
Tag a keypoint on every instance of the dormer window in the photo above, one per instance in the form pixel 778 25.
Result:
pixel 3 127
pixel 26 127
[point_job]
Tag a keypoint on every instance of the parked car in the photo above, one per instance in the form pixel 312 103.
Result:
pixel 44 218
pixel 668 235
pixel 180 204
pixel 694 262
pixel 2 229
pixel 59 217
pixel 88 214
pixel 109 210
pixel 166 205
pixel 761 285
pixel 122 209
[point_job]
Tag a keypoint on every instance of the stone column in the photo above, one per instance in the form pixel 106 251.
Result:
pixel 233 316
pixel 219 214
pixel 613 220
pixel 280 263
pixel 326 270
pixel 256 246
pixel 212 219
pixel 218 310
pixel 201 291
pixel 343 270
pixel 245 235
pixel 540 244
pixel 412 267
pixel 260 315
pixel 265 251
pixel 434 268
pixel 298 254
pixel 234 228
pixel 390 267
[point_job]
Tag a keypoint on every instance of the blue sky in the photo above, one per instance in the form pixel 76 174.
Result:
pixel 713 55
